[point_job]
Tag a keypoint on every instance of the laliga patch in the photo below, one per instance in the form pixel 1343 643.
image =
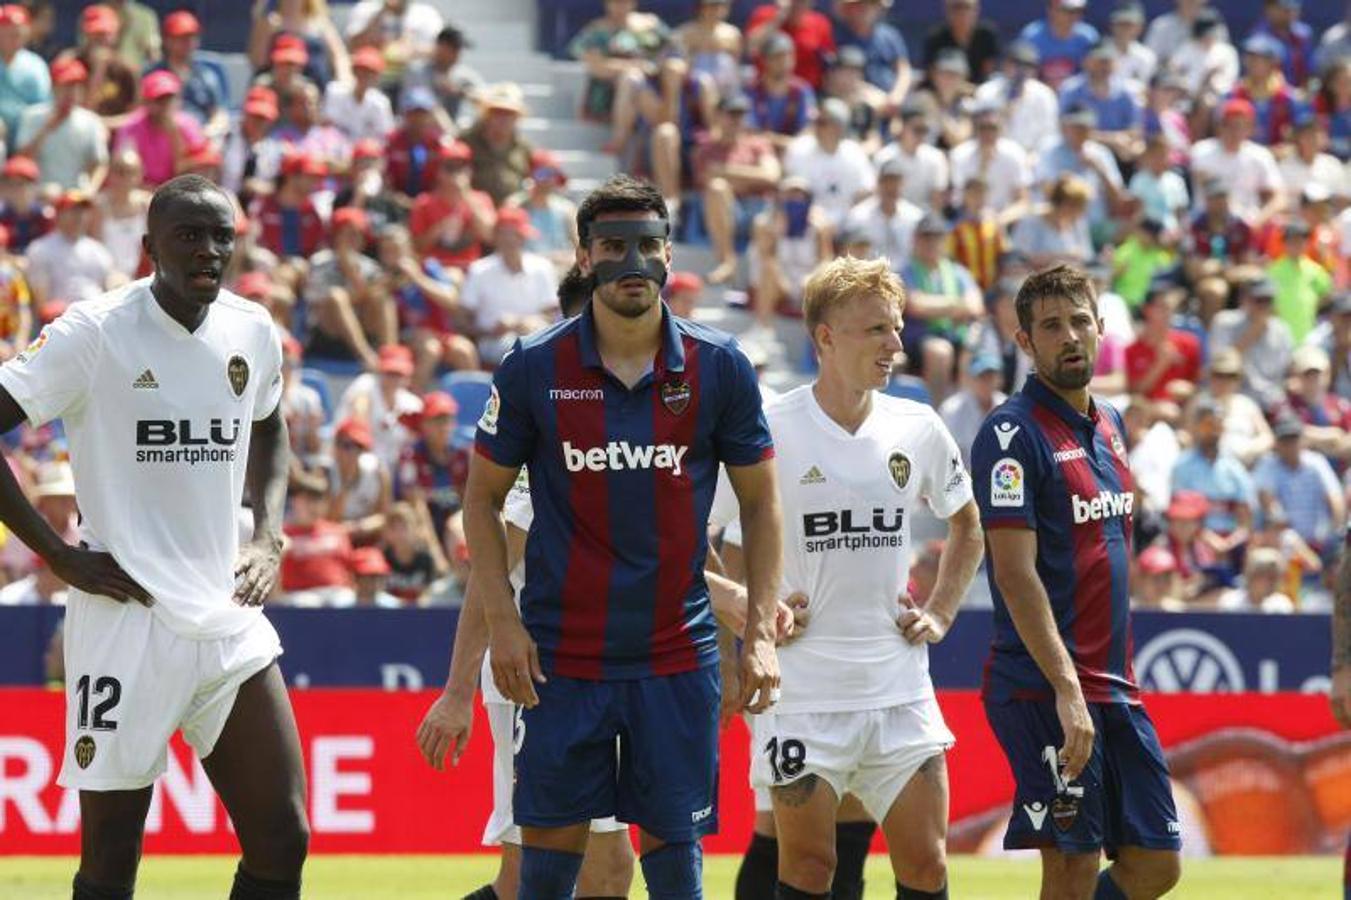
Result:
pixel 675 396
pixel 899 468
pixel 488 421
pixel 237 373
pixel 84 751
pixel 1064 811
pixel 32 349
pixel 1006 483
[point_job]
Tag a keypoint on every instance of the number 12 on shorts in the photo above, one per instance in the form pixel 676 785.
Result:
pixel 787 759
pixel 108 691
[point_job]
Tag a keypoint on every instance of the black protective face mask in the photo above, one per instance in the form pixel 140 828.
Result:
pixel 634 263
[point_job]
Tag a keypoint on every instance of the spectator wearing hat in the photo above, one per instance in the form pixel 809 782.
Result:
pixel 1261 339
pixel 1139 259
pixel 1206 64
pixel 289 61
pixel 618 50
pixel 923 168
pixel 360 487
pixel 1307 165
pixel 382 400
pixel 945 96
pixel 304 130
pixel 27 81
pixel 941 303
pixel 52 493
pixel 1256 191
pixel 1030 108
pixel 963 29
pixel 1079 153
pixel 1218 476
pixel 348 308
pixel 781 102
pixel 67 264
pixel 1294 39
pixel 1155 585
pixel 552 214
pixel 1326 416
pixel 1302 481
pixel 1245 433
pixel 683 291
pixel 965 410
pixel 1062 39
pixel 1114 101
pixel 316 559
pixel 835 167
pixel 307 21
pixel 1135 63
pixel 288 219
pixel 1060 234
pixel 811 34
pixel 434 468
pixel 1301 284
pixel 412 151
pixel 403 30
pixel 1204 566
pixel 789 240
pixel 114 84
pixel 206 94
pixel 510 293
pixel 1160 190
pixel 886 219
pixel 68 142
pixel 453 221
pixel 994 334
pixel 451 81
pixel 252 156
pixel 1169 32
pixel 1001 161
pixel 977 240
pixel 501 156
pixel 370 573
pixel 159 131
pixel 119 214
pixel 409 546
pixel 366 186
pixel 358 107
pixel 1333 335
pixel 22 213
pixel 713 45
pixel 1165 115
pixel 1164 362
pixel 862 24
pixel 1275 104
pixel 866 103
pixel 736 172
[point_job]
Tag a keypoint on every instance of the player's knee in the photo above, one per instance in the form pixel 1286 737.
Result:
pixel 283 844
pixel 808 868
pixel 928 871
pixel 607 870
pixel 1155 875
pixel 1071 874
pixel 674 871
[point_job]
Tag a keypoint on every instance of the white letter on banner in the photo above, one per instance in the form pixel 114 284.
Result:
pixel 328 783
pixel 24 788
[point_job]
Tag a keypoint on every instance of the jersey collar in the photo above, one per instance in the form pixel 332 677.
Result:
pixel 670 356
pixel 1044 396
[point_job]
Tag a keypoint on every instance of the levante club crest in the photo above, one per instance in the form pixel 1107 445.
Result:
pixel 675 396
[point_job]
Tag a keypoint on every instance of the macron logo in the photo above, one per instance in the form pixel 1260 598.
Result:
pixel 1104 506
pixel 576 394
pixel 620 455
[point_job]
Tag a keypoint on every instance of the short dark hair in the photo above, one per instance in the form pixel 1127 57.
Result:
pixel 1061 281
pixel 622 193
pixel 175 189
pixel 574 289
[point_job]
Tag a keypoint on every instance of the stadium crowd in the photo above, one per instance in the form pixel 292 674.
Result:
pixel 403 232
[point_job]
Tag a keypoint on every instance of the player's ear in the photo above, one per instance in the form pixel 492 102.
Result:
pixel 1025 341
pixel 148 247
pixel 583 257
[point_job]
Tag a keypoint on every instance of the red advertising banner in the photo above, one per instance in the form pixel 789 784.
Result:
pixel 1254 774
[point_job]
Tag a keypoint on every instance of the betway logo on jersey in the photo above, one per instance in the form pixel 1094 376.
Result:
pixel 1106 505
pixel 620 455
pixel 185 441
pixel 849 529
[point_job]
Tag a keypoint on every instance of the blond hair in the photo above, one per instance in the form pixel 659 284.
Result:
pixel 837 282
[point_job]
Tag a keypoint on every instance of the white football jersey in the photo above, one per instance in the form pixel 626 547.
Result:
pixel 517 511
pixel 848 500
pixel 159 422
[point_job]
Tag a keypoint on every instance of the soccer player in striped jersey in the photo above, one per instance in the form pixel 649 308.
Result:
pixel 1055 495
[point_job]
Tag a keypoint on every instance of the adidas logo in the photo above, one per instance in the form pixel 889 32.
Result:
pixel 813 476
pixel 146 381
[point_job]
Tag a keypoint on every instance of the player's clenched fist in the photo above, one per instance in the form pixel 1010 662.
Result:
pixel 98 573
pixel 1077 725
pixel 446 727
pixel 919 625
pixel 515 660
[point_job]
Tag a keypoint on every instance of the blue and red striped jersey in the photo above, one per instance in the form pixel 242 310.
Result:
pixel 621 481
pixel 1039 463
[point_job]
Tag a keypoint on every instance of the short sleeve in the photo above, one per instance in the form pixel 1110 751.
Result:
pixel 741 437
pixel 1005 467
pixel 518 510
pixel 269 371
pixel 506 430
pixel 946 485
pixel 56 371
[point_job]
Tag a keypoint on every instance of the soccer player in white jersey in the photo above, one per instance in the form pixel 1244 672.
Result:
pixel 169 390
pixel 857 713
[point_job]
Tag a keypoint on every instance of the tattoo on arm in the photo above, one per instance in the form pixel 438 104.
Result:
pixel 796 793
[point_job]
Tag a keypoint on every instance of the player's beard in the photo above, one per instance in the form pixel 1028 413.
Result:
pixel 1071 378
pixel 631 304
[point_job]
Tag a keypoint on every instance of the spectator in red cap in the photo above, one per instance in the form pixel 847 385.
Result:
pixel 1256 190
pixel 510 293
pixel 204 161
pixel 434 468
pixel 67 264
pixel 206 92
pixel 359 107
pixel 683 290
pixel 315 564
pixel 412 149
pixel 305 20
pixel 288 70
pixel 553 215
pixel 23 214
pixel 349 311
pixel 382 399
pixel 26 82
pixel 1199 552
pixel 114 82
pixel 1156 584
pixel 160 131
pixel 134 27
pixel 289 221
pixel 367 187
pixel 372 575
pixel 453 221
pixel 360 489
pixel 120 211
pixel 252 156
pixel 304 129
pixel 501 157
pixel 68 142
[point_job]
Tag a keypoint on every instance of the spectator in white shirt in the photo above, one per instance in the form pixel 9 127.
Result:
pixel 404 30
pixel 1306 164
pixel 68 142
pixel 837 170
pixel 1256 190
pixel 1001 161
pixel 1134 61
pixel 1029 106
pixel 887 219
pixel 382 399
pixel 66 264
pixel 789 240
pixel 1208 63
pixel 1170 31
pixel 359 108
pixel 923 167
pixel 512 292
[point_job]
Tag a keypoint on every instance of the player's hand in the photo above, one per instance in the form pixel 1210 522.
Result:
pixel 919 625
pixel 446 728
pixel 792 618
pixel 256 571
pixel 1340 695
pixel 515 660
pixel 98 573
pixel 759 675
pixel 1077 725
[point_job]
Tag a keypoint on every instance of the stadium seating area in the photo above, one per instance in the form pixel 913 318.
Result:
pixel 407 172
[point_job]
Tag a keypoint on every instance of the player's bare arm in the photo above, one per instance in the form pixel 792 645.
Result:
pixel 729 599
pixel 1013 553
pixel 962 553
pixel 259 561
pixel 515 657
pixel 1341 645
pixel 757 496
pixel 89 571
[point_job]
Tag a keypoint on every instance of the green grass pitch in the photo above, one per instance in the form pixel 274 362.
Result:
pixel 450 877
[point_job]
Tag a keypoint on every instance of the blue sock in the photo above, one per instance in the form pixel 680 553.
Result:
pixel 1107 888
pixel 675 872
pixel 548 874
